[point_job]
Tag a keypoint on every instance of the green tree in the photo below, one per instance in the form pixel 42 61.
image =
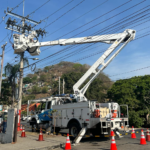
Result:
pixel 44 89
pixel 27 97
pixel 43 78
pixel 12 73
pixel 35 89
pixel 27 80
pixel 135 92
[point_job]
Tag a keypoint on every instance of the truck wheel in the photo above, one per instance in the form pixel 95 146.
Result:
pixel 74 130
pixel 57 129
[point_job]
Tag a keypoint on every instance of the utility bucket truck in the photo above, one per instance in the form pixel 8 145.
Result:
pixel 79 114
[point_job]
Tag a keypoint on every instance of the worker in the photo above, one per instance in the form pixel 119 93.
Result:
pixel 4 116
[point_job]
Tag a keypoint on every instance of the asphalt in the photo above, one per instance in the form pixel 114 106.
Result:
pixel 99 143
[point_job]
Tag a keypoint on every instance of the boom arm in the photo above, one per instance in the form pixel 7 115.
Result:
pixel 22 43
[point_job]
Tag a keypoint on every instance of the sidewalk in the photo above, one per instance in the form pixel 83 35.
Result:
pixel 30 142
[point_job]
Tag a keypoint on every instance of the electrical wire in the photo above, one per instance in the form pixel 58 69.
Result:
pixel 57 10
pixel 39 8
pixel 78 17
pixel 53 54
pixel 65 13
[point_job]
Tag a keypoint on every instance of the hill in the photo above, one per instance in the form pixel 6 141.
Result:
pixel 44 82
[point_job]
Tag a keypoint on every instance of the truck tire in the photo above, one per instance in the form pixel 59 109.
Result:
pixel 74 129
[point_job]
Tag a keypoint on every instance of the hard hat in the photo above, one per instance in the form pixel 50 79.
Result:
pixel 5 110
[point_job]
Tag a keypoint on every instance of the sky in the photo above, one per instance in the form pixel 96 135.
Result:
pixel 103 17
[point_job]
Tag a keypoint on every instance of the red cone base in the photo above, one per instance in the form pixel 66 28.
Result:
pixel 133 136
pixel 113 147
pixel 68 145
pixel 23 133
pixel 113 143
pixel 40 136
pixel 142 140
pixel 147 136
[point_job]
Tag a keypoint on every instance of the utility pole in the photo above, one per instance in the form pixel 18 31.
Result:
pixel 21 77
pixel 25 30
pixel 63 86
pixel 2 60
pixel 59 85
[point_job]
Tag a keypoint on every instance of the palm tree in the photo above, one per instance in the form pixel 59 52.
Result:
pixel 12 72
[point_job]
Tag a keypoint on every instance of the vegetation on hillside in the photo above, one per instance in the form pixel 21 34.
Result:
pixel 134 92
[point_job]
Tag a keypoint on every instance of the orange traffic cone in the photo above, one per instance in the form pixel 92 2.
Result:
pixel 40 135
pixel 133 135
pixel 147 136
pixel 113 143
pixel 68 145
pixel 142 140
pixel 23 132
pixel 21 127
pixel 122 126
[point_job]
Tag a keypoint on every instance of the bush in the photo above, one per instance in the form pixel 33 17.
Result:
pixel 26 98
pixel 27 80
pixel 35 89
pixel 44 89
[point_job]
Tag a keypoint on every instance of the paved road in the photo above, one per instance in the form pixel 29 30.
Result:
pixel 125 143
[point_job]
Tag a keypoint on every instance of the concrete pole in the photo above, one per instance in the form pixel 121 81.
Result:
pixel 1 71
pixel 59 85
pixel 63 86
pixel 21 79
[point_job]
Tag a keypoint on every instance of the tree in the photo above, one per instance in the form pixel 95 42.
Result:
pixel 44 89
pixel 35 89
pixel 135 92
pixel 27 80
pixel 96 90
pixel 12 73
pixel 26 98
pixel 43 77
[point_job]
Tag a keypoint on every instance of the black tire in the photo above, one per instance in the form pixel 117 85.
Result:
pixel 74 129
pixel 57 129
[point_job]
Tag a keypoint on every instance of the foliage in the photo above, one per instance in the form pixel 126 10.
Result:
pixel 34 78
pixel 26 98
pixel 134 92
pixel 24 113
pixel 27 80
pixel 94 92
pixel 6 93
pixel 76 66
pixel 36 89
pixel 43 78
pixel 44 89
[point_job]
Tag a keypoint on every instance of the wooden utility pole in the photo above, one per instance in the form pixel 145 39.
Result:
pixel 1 71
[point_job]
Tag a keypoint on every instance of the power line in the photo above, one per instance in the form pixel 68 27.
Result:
pixel 78 17
pixel 38 8
pixel 103 51
pixel 65 13
pixel 57 10
pixel 60 51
